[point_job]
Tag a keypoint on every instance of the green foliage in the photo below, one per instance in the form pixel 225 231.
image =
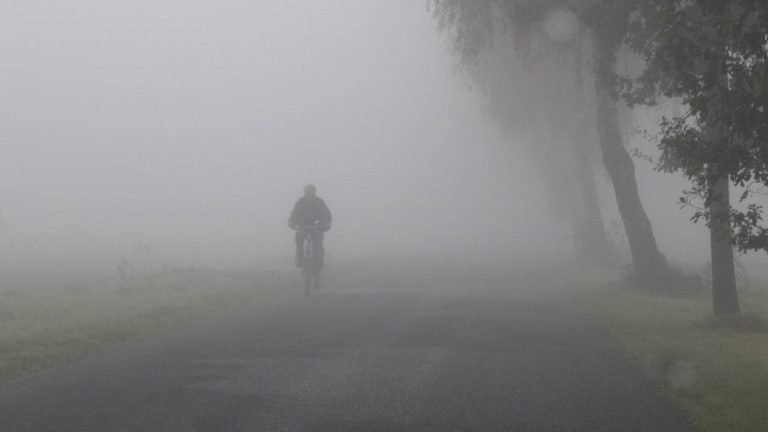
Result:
pixel 533 85
pixel 716 370
pixel 739 322
pixel 473 24
pixel 41 328
pixel 476 25
pixel 712 57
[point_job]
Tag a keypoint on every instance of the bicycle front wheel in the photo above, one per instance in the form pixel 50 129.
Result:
pixel 309 274
pixel 308 282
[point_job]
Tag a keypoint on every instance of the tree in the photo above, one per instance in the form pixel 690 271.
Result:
pixel 475 26
pixel 541 103
pixel 712 56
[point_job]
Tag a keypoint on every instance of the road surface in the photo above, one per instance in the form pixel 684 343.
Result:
pixel 429 349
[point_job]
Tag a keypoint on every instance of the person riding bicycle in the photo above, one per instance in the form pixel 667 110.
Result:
pixel 310 211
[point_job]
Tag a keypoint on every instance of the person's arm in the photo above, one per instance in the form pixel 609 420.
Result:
pixel 327 218
pixel 292 218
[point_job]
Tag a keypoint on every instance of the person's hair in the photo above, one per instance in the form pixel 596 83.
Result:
pixel 310 189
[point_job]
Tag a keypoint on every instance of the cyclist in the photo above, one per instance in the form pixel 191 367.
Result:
pixel 310 211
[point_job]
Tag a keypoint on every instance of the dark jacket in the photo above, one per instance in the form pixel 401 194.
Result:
pixel 310 211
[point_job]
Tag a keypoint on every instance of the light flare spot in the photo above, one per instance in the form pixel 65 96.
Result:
pixel 561 25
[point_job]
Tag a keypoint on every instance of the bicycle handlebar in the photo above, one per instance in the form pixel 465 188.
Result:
pixel 306 227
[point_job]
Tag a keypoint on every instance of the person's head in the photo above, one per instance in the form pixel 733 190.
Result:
pixel 310 190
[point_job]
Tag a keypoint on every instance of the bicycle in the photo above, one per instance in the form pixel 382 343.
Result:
pixel 310 262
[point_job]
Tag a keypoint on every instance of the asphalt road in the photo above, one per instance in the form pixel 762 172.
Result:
pixel 402 349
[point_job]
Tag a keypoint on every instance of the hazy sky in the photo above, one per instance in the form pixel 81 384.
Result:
pixel 191 126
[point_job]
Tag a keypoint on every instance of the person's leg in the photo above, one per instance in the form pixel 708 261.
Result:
pixel 317 241
pixel 300 236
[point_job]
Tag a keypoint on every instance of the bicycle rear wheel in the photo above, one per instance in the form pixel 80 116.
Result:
pixel 308 282
pixel 307 269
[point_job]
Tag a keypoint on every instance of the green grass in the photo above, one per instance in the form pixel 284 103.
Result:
pixel 718 374
pixel 40 328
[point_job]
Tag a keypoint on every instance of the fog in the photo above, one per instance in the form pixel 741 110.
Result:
pixel 190 127
pixel 480 168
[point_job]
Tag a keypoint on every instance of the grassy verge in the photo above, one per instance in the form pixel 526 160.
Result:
pixel 40 328
pixel 718 376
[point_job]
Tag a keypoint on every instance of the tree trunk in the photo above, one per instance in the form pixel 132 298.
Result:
pixel 724 295
pixel 589 236
pixel 648 262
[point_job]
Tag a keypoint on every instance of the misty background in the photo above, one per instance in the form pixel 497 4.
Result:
pixel 190 127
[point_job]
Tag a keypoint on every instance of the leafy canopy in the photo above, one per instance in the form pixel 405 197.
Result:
pixel 711 56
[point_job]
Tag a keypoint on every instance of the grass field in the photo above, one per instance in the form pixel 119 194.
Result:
pixel 717 374
pixel 40 328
